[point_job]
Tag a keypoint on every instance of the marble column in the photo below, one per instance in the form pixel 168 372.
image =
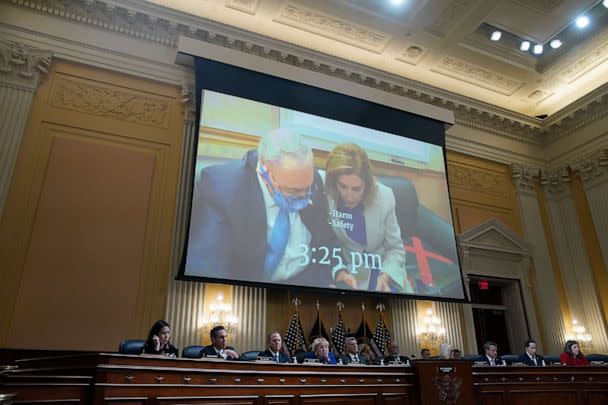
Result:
pixel 551 319
pixel 21 70
pixel 593 171
pixel 580 286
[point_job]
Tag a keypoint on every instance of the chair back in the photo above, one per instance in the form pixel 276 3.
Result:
pixel 192 352
pixel 597 357
pixel 250 355
pixel 551 358
pixel 131 346
pixel 510 358
pixel 473 357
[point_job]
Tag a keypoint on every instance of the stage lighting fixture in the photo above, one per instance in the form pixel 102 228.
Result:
pixel 582 21
pixel 525 45
pixel 556 43
pixel 495 36
pixel 538 49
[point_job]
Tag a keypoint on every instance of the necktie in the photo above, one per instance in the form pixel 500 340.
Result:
pixel 277 243
pixel 534 360
pixel 492 362
pixel 276 358
pixel 357 358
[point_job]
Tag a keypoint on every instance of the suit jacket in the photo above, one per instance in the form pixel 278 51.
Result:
pixel 383 236
pixel 362 359
pixel 497 360
pixel 228 226
pixel 389 358
pixel 524 358
pixel 282 356
pixel 209 351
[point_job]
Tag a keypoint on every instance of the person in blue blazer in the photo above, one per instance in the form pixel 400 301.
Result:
pixel 320 351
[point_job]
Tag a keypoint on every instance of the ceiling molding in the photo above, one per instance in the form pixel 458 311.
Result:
pixel 157 24
pixel 541 6
pixel 329 26
pixel 450 16
pixel 248 6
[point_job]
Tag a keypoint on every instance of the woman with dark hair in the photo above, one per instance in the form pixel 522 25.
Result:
pixel 572 355
pixel 158 340
pixel 362 213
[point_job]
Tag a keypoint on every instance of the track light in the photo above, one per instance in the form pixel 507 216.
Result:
pixel 556 43
pixel 525 45
pixel 495 36
pixel 582 21
pixel 538 49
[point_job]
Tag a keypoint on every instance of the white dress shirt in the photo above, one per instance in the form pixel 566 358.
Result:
pixel 292 261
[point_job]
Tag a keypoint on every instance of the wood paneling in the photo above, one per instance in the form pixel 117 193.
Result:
pixel 86 235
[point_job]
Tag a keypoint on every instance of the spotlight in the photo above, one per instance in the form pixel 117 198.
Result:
pixel 582 21
pixel 525 45
pixel 605 3
pixel 538 49
pixel 556 43
pixel 495 35
pixel 396 2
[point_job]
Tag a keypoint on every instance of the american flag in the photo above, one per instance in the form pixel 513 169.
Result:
pixel 338 335
pixel 294 338
pixel 379 340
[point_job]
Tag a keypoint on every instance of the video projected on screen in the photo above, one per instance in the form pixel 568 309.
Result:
pixel 285 197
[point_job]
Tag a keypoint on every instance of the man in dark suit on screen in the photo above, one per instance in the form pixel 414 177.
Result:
pixel 218 347
pixel 529 356
pixel 264 218
pixel 274 348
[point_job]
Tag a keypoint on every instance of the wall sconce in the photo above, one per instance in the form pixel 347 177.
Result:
pixel 221 315
pixel 580 335
pixel 431 334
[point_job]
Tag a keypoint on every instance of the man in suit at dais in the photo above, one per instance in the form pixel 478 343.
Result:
pixel 352 353
pixel 218 346
pixel 274 348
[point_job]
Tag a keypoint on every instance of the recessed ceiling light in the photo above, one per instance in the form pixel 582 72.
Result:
pixel 397 2
pixel 495 36
pixel 556 43
pixel 605 3
pixel 582 21
pixel 525 45
pixel 538 49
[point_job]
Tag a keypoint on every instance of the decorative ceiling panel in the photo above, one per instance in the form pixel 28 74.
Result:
pixel 329 26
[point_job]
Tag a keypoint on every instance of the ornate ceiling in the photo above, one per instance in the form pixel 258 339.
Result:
pixel 443 44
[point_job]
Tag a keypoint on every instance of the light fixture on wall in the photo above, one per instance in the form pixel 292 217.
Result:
pixel 431 334
pixel 580 335
pixel 220 314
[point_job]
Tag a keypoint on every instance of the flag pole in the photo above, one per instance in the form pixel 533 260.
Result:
pixel 319 319
pixel 365 350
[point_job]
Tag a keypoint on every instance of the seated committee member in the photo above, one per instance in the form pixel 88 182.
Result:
pixel 491 356
pixel 425 354
pixel 362 213
pixel 352 353
pixel 393 354
pixel 218 347
pixel 529 356
pixel 572 355
pixel 456 354
pixel 274 342
pixel 158 340
pixel 320 351
pixel 275 193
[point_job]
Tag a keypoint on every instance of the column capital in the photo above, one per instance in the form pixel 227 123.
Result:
pixel 524 178
pixel 592 169
pixel 555 181
pixel 22 66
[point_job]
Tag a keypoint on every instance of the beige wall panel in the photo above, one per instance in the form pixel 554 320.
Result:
pixel 87 232
pixel 88 238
